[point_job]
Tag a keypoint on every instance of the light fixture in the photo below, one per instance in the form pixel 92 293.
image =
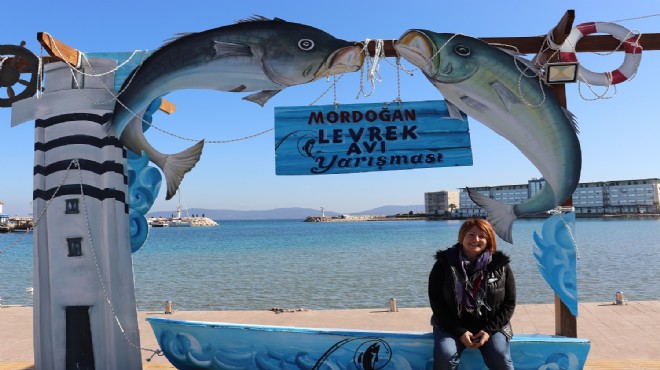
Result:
pixel 560 73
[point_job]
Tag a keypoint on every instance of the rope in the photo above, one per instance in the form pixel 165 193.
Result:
pixel 632 19
pixel 116 96
pixel 373 63
pixel 83 56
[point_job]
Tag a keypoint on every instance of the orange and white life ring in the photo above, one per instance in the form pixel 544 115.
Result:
pixel 631 46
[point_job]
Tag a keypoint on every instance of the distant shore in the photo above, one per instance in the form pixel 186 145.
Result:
pixel 424 217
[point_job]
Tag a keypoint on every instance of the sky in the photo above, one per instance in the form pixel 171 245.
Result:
pixel 619 133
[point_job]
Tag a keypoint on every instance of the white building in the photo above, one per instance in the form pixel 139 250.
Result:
pixel 615 197
pixel 636 196
pixel 440 202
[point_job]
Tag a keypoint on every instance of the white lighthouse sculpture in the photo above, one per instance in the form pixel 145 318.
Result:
pixel 85 314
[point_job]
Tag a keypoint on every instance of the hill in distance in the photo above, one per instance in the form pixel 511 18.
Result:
pixel 283 213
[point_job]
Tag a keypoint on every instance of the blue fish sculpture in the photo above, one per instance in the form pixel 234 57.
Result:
pixel 256 54
pixel 490 85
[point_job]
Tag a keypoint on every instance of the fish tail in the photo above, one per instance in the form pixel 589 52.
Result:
pixel 177 165
pixel 500 215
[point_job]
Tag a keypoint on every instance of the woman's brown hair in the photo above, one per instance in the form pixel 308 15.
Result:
pixel 484 226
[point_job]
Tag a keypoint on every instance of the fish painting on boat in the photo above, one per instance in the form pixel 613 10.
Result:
pixel 501 90
pixel 256 54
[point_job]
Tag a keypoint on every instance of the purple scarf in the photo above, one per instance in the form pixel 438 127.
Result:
pixel 469 281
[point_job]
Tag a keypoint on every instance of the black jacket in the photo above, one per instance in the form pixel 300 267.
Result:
pixel 501 297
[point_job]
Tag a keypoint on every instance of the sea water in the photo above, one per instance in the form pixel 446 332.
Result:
pixel 256 265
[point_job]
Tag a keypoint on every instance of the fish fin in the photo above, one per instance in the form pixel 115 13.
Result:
pixel 453 110
pixel 174 38
pixel 508 97
pixel 254 18
pixel 238 88
pixel 572 119
pixel 519 58
pixel 474 104
pixel 231 49
pixel 261 97
pixel 500 215
pixel 177 165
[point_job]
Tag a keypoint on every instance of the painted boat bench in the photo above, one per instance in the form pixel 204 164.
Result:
pixel 206 345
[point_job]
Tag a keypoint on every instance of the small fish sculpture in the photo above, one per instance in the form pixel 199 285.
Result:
pixel 256 54
pixel 487 83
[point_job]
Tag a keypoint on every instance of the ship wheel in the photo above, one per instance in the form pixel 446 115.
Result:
pixel 18 68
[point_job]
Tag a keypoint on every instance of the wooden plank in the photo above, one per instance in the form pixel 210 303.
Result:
pixel 167 106
pixel 532 44
pixel 59 49
pixel 564 27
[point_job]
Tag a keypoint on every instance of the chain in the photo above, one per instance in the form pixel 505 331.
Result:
pixel 100 274
pixel 333 86
pixel 43 211
pixel 558 211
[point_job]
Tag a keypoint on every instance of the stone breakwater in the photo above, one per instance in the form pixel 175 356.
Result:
pixel 194 221
pixel 200 221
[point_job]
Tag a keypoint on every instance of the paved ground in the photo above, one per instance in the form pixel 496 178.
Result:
pixel 622 336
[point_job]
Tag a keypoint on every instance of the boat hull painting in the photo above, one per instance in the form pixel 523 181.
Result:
pixel 204 345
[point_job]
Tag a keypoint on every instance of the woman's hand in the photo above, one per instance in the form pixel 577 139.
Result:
pixel 466 339
pixel 479 339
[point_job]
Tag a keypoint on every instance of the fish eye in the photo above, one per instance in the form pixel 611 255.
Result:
pixel 306 44
pixel 462 50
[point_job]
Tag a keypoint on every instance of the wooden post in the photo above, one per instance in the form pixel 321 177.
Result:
pixel 565 322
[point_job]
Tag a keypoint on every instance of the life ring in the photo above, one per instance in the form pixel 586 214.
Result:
pixel 631 47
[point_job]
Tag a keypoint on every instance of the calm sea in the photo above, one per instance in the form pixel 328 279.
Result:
pixel 258 265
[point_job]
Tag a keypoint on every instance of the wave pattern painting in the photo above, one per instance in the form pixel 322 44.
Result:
pixel 205 345
pixel 143 186
pixel 555 253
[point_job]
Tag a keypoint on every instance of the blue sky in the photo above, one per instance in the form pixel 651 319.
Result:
pixel 619 135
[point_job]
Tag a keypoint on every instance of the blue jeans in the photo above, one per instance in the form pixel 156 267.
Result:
pixel 447 350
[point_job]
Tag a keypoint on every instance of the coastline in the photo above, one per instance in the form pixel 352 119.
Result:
pixel 423 217
pixel 622 336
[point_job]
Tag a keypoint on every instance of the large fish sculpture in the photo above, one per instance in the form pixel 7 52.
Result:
pixel 256 54
pixel 487 84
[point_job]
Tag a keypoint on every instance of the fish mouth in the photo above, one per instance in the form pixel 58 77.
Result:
pixel 343 60
pixel 446 70
pixel 417 48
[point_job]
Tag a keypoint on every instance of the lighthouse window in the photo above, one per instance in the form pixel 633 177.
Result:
pixel 72 206
pixel 75 246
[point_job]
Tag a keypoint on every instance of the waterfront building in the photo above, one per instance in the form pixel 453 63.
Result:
pixel 3 217
pixel 440 202
pixel 636 196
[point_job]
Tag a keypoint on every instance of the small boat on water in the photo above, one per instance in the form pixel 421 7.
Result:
pixel 157 222
pixel 208 345
pixel 178 222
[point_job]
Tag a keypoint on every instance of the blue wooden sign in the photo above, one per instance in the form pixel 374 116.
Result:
pixel 329 139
